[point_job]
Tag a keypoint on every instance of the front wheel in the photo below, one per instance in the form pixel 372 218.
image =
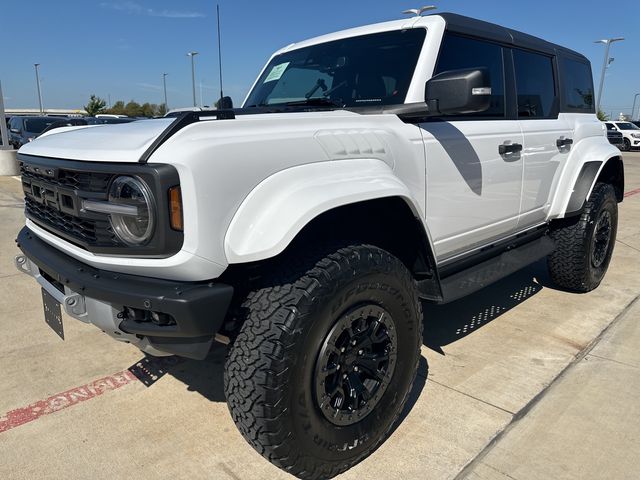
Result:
pixel 325 359
pixel 584 245
pixel 627 145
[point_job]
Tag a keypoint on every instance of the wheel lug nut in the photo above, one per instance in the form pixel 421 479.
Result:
pixel 342 350
pixel 360 352
pixel 344 375
pixel 338 367
pixel 355 369
pixel 353 342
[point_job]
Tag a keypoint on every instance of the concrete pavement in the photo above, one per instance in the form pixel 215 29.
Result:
pixel 492 402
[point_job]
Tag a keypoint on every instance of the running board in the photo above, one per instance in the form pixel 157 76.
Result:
pixel 490 271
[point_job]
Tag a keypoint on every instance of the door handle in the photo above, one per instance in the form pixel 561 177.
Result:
pixel 507 148
pixel 564 142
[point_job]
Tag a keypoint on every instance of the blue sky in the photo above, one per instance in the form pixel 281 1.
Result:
pixel 121 47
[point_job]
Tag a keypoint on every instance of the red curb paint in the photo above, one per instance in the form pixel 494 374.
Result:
pixel 63 400
pixel 632 193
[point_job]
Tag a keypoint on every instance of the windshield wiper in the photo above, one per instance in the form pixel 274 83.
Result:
pixel 316 102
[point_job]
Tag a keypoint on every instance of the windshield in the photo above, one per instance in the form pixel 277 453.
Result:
pixel 37 125
pixel 627 126
pixel 358 71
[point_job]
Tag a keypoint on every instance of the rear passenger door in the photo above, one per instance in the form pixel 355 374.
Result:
pixel 473 191
pixel 547 136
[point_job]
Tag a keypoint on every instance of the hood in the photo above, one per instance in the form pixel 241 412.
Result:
pixel 124 142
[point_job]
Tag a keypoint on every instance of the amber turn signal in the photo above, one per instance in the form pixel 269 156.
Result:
pixel 175 208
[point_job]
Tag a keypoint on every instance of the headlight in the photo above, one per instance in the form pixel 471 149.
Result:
pixel 635 135
pixel 134 226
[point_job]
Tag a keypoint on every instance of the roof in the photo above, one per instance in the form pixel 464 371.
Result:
pixel 454 23
pixel 470 26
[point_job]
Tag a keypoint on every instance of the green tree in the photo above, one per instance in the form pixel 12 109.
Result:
pixel 117 108
pixel 603 117
pixel 132 109
pixel 96 105
pixel 162 110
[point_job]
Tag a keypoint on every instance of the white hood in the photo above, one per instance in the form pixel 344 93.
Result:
pixel 123 142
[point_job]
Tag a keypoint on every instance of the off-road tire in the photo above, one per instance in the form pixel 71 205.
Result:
pixel 572 264
pixel 270 368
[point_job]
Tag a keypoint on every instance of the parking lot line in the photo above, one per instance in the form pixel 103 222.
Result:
pixel 632 192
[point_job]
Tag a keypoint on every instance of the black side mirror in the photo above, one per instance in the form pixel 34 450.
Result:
pixel 459 92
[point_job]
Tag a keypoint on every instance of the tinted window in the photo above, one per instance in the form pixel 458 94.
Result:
pixel 358 71
pixel 627 126
pixel 610 126
pixel 460 52
pixel 577 85
pixel 37 125
pixel 535 84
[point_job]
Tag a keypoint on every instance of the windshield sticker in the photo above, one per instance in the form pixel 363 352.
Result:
pixel 276 72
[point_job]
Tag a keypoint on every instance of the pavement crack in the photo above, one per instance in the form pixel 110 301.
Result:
pixel 499 471
pixel 627 245
pixel 468 468
pixel 612 360
pixel 471 396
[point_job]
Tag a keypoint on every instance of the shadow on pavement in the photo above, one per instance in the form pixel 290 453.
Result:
pixel 446 324
pixel 443 325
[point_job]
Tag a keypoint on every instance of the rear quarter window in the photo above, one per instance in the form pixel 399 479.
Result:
pixel 577 86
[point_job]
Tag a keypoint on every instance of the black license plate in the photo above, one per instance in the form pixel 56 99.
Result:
pixel 52 313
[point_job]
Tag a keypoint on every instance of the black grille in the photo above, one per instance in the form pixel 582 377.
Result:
pixel 52 201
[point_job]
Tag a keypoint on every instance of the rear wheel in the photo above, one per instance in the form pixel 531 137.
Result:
pixel 325 359
pixel 584 244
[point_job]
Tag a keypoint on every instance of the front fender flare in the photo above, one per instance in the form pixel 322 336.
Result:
pixel 277 209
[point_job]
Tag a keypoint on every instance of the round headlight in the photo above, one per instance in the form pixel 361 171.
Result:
pixel 135 226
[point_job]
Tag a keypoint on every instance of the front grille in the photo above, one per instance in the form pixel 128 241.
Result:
pixel 52 200
pixel 55 190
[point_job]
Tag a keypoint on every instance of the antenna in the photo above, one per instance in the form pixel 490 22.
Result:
pixel 419 11
pixel 219 50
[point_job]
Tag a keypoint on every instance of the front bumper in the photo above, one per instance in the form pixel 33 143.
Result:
pixel 196 309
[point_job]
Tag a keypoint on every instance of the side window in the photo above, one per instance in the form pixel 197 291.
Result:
pixel 535 84
pixel 610 126
pixel 577 86
pixel 459 52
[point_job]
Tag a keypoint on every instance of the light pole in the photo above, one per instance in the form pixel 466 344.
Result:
pixel 36 65
pixel 193 75
pixel 633 109
pixel 164 84
pixel 608 43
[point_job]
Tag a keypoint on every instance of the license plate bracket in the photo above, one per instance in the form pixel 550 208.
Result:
pixel 52 313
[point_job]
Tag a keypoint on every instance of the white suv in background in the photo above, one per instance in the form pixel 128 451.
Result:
pixel 629 131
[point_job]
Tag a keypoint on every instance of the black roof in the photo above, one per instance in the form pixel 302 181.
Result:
pixel 478 28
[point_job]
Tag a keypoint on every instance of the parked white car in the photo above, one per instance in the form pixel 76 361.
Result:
pixel 368 170
pixel 629 131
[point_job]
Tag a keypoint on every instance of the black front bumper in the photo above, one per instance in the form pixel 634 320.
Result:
pixel 198 308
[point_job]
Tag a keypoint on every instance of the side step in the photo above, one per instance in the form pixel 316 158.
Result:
pixel 490 271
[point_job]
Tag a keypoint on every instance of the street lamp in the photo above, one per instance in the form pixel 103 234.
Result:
pixel 36 65
pixel 164 84
pixel 606 63
pixel 633 109
pixel 193 75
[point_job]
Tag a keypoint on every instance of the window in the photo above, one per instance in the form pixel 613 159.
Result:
pixel 627 126
pixel 459 52
pixel 577 85
pixel 610 126
pixel 535 84
pixel 356 72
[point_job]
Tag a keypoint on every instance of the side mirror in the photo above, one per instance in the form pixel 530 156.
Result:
pixel 459 92
pixel 15 130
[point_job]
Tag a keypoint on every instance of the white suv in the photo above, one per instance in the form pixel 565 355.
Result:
pixel 629 131
pixel 369 169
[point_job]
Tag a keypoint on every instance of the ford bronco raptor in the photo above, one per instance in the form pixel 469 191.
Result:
pixel 367 171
